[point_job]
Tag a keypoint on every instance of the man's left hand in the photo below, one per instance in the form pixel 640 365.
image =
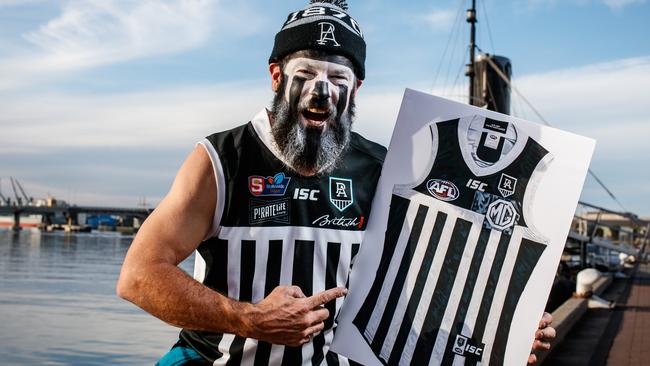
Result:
pixel 543 336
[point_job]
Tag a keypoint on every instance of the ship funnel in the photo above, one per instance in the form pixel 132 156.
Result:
pixel 492 91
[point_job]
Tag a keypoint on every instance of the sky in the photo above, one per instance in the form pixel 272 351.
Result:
pixel 102 100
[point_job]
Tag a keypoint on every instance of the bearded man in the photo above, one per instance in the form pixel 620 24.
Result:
pixel 275 210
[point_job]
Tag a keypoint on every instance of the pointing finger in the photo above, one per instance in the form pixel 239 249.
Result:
pixel 326 296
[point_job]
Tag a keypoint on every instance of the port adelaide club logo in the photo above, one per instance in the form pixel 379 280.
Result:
pixel 442 189
pixel 340 192
pixel 275 186
pixel 507 185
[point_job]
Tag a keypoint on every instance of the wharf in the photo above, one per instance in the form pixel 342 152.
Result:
pixel 618 337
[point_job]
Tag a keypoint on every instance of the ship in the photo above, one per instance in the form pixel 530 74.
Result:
pixel 32 221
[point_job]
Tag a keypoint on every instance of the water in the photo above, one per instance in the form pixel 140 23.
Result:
pixel 58 304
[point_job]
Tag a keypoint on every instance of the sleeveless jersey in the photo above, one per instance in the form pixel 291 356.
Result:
pixel 273 227
pixel 457 255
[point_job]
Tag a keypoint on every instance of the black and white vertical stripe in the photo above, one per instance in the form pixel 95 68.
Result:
pixel 248 270
pixel 440 275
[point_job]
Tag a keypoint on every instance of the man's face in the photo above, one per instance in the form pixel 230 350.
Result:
pixel 313 111
pixel 319 90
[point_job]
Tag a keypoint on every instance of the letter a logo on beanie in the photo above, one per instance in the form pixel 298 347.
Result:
pixel 314 28
pixel 327 34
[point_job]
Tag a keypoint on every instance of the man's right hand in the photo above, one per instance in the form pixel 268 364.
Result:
pixel 289 318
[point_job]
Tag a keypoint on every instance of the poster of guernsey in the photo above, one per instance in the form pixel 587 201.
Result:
pixel 466 232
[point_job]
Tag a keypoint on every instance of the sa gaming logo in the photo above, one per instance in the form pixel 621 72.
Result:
pixel 341 194
pixel 270 186
pixel 442 189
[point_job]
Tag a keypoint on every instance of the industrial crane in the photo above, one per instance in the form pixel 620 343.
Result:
pixel 19 199
pixel 4 200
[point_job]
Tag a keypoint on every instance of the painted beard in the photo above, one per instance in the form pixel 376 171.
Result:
pixel 309 148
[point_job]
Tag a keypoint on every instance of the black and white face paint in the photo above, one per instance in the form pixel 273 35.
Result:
pixel 313 112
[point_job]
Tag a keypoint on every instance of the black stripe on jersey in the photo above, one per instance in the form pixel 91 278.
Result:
pixel 420 281
pixel 527 258
pixel 302 276
pixel 490 288
pixel 398 208
pixel 466 297
pixel 440 297
pixel 333 254
pixel 400 279
pixel 247 271
pixel 332 359
pixel 273 264
pixel 355 250
pixel 215 253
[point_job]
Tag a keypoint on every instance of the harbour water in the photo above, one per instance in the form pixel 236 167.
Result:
pixel 58 304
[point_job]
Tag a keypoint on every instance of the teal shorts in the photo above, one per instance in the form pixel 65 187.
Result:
pixel 182 355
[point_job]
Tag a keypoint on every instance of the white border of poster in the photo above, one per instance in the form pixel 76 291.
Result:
pixel 552 210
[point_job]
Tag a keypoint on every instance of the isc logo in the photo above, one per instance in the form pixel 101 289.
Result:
pixel 442 189
pixel 463 346
pixel 305 194
pixel 477 185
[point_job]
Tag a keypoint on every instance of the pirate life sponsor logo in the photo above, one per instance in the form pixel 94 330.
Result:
pixel 466 347
pixel 269 211
pixel 500 214
pixel 275 186
pixel 341 194
pixel 443 190
pixel 340 221
pixel 507 185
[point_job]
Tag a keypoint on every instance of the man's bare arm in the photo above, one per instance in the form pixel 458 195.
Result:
pixel 151 279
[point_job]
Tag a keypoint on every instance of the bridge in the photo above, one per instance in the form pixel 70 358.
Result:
pixel 69 212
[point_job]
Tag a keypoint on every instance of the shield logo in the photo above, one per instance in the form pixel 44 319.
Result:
pixel 459 345
pixel 341 194
pixel 507 185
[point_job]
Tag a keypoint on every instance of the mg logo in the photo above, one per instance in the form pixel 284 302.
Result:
pixel 502 214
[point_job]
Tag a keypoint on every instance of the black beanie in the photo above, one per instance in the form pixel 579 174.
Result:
pixel 323 25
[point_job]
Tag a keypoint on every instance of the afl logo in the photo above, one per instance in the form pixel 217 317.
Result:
pixel 442 189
